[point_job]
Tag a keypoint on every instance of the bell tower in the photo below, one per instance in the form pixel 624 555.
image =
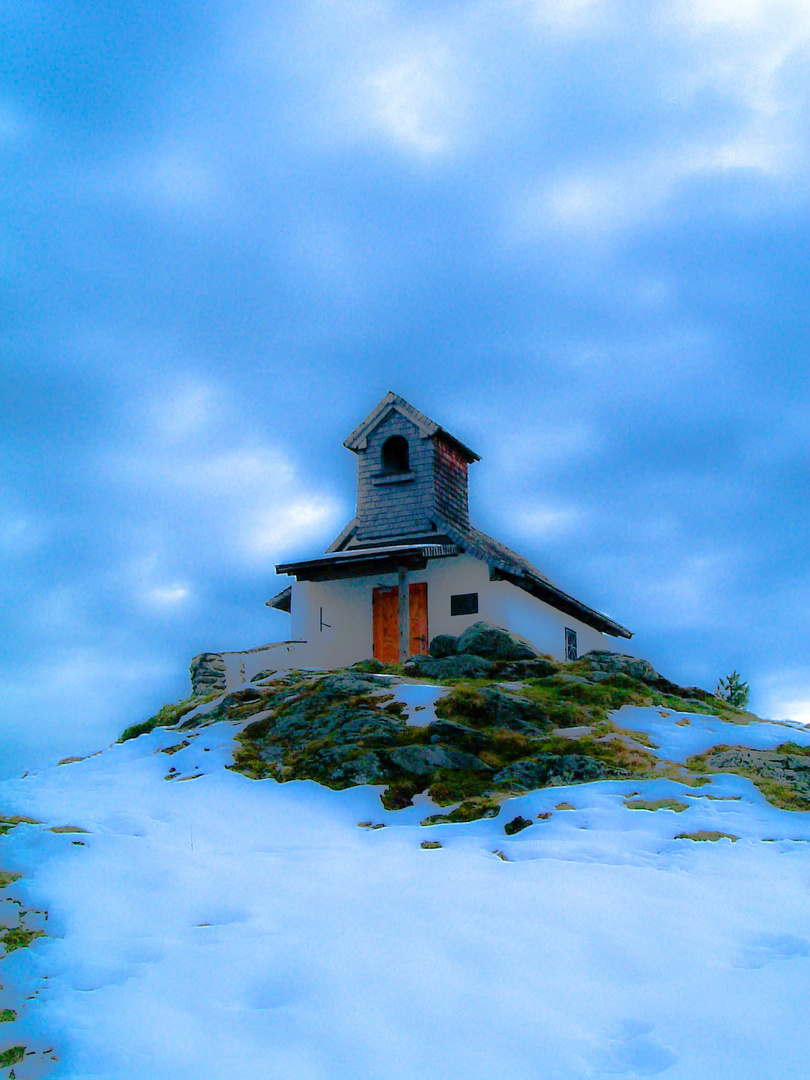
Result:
pixel 410 471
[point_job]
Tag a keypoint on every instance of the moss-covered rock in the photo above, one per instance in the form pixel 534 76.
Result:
pixel 618 664
pixel 443 645
pixel 493 643
pixel 516 825
pixel 469 810
pixel 458 666
pixel 549 770
pixel 490 707
pixel 782 775
pixel 207 673
pixel 424 760
pixel 503 726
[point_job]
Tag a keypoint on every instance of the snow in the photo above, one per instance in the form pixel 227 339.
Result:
pixel 215 926
pixel 419 701
pixel 679 735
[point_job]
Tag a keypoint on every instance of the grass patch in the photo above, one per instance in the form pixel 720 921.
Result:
pixel 465 704
pixel 7 1016
pixel 377 667
pixel 793 748
pixel 18 937
pixel 400 792
pixel 656 804
pixel 710 835
pixel 166 716
pixel 12 1056
pixel 782 776
pixel 67 829
pixel 430 845
pixel 469 810
pixel 7 878
pixel 9 823
pixel 781 794
pixel 458 786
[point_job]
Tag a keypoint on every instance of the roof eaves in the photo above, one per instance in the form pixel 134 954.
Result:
pixel 358 440
pixel 520 572
pixel 282 601
pixel 563 601
pixel 343 537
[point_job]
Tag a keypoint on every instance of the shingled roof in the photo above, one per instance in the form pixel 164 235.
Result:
pixel 358 440
pixel 506 565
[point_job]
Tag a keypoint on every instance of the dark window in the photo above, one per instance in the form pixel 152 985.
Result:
pixel 570 644
pixel 395 455
pixel 464 604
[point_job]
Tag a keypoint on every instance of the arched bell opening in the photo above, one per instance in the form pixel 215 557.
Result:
pixel 395 455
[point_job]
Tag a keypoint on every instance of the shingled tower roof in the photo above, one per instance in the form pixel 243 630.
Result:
pixel 429 429
pixel 415 509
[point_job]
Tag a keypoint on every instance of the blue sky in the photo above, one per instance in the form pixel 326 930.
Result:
pixel 574 233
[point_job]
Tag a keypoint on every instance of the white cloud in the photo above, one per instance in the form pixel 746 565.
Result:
pixel 623 192
pixel 169 595
pixel 245 502
pixel 523 451
pixel 414 99
pixel 547 522
pixel 272 531
pixel 366 70
pixel 569 16
pixel 184 175
pixel 728 94
pixel 13 126
pixel 786 693
pixel 179 176
pixel 690 596
pixel 19 535
pixel 793 710
pixel 768 16
pixel 182 411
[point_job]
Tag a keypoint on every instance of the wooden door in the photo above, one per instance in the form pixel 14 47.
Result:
pixel 386 624
pixel 417 600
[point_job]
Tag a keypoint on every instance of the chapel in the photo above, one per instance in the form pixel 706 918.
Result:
pixel 410 566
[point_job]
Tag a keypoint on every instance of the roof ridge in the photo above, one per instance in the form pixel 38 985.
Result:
pixel 358 439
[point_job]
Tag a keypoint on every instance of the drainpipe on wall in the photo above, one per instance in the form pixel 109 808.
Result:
pixel 404 615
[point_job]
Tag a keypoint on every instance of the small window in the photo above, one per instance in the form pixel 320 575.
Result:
pixel 570 644
pixel 395 457
pixel 464 604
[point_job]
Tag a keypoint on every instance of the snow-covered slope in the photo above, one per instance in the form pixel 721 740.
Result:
pixel 211 926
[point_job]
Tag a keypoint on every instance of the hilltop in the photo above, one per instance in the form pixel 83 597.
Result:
pixel 560 871
pixel 473 728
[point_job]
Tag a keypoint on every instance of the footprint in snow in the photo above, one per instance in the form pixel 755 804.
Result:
pixel 633 1052
pixel 765 949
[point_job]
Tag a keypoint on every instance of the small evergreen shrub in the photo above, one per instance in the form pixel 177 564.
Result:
pixel 733 690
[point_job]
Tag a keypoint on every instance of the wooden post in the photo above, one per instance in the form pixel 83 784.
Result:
pixel 404 614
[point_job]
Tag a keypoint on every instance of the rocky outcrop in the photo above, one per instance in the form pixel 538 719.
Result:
pixel 483 640
pixel 423 760
pixel 458 666
pixel 502 727
pixel 549 770
pixel 207 674
pixel 443 645
pixel 619 664
pixel 492 643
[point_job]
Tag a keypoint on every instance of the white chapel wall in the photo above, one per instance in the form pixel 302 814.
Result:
pixel 335 618
pixel 545 626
